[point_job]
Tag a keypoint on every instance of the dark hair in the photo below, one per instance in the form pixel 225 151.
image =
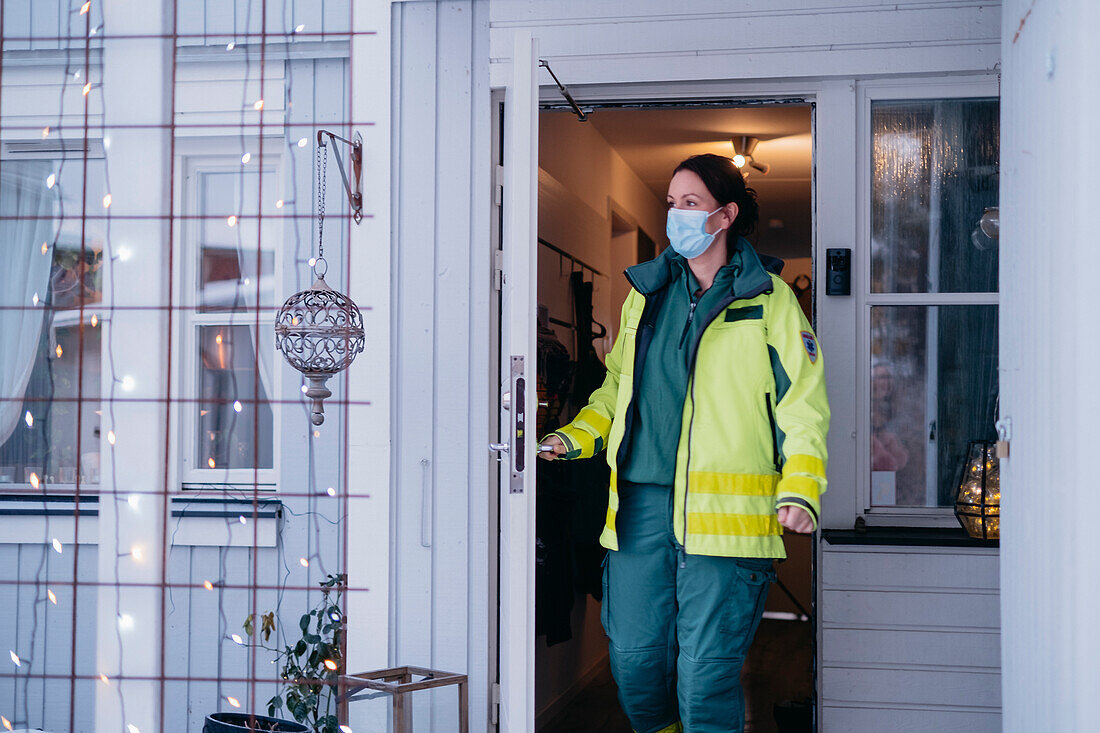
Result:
pixel 726 184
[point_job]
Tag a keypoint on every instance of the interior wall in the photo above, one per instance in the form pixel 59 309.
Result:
pixel 583 186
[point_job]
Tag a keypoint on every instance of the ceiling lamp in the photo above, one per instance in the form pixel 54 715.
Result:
pixel 743 146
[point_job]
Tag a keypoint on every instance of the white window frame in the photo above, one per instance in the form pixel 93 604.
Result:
pixel 215 155
pixel 961 87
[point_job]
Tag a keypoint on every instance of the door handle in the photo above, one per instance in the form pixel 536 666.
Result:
pixel 498 447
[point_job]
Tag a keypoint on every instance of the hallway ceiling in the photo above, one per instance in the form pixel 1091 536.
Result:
pixel 653 141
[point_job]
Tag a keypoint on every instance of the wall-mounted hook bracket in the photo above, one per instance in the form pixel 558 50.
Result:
pixel 355 197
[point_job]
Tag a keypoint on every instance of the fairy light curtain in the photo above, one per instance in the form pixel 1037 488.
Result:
pixel 149 589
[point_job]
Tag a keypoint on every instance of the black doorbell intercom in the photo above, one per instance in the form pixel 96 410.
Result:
pixel 838 276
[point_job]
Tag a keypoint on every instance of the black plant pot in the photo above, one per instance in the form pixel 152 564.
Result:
pixel 245 723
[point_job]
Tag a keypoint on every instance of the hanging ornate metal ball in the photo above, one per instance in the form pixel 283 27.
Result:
pixel 320 332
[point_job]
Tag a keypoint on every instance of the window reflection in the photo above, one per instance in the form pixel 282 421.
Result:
pixel 933 389
pixel 235 418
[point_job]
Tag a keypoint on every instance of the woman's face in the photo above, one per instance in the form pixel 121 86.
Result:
pixel 686 190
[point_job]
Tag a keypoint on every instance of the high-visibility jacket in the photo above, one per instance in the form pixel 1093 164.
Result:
pixel 754 420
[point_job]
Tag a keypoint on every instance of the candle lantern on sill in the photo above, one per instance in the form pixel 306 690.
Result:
pixel 319 330
pixel 978 501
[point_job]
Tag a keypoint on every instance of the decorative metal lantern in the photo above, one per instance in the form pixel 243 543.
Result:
pixel 978 501
pixel 319 330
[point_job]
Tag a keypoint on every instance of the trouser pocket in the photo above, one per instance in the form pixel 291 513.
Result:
pixel 744 604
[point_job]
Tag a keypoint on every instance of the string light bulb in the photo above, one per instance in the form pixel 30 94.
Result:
pixel 258 105
pixel 241 519
pixel 230 46
pixel 345 729
pixel 137 552
pixel 45 247
pixel 15 658
pixel 131 728
pixel 59 351
pixel 279 204
pixel 45 132
pixel 330 665
pixel 57 545
pixel 95 320
pixel 302 142
pixel 128 383
pixel 35 482
pixel 233 701
pixel 104 679
pixel 6 722
pixel 304 562
pixel 51 180
pixel 231 220
pixel 134 501
pixel 85 8
pixel 210 462
pixel 125 621
pixel 246 157
pixel 111 437
pixel 237 639
pixel 331 491
pixel 237 406
pixel 299 28
pixel 52 596
pixel 208 585
pixel 29 419
pixel 35 299
pixel 107 201
pixel 88 85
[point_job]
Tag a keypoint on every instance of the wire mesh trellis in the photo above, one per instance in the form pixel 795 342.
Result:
pixel 147 473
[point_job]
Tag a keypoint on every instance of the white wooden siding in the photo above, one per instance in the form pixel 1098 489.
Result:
pixel 909 639
pixel 629 42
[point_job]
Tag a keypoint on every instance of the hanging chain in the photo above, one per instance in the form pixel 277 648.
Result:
pixel 322 172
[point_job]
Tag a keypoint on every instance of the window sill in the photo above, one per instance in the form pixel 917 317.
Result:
pixel 197 521
pixel 907 537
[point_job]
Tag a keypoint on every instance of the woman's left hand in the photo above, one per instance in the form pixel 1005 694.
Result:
pixel 796 519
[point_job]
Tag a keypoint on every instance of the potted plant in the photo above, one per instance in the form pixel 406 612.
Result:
pixel 312 664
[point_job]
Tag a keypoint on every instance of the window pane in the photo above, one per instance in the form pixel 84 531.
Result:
pixel 933 388
pixel 934 172
pixel 47 435
pixel 235 419
pixel 230 235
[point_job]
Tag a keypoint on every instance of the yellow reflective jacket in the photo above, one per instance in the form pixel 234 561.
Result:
pixel 754 421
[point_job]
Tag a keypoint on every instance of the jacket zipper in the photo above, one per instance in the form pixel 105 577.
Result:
pixel 691 316
pixel 775 438
pixel 691 423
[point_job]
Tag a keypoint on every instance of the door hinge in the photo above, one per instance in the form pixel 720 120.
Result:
pixel 494 710
pixel 498 269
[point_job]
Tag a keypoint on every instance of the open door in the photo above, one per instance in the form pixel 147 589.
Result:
pixel 518 393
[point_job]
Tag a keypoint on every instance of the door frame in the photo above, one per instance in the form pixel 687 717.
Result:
pixel 833 212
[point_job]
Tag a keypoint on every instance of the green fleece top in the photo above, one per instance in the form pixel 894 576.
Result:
pixel 664 383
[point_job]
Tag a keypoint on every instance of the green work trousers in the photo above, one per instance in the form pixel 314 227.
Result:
pixel 679 625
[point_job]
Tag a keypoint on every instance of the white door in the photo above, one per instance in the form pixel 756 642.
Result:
pixel 518 392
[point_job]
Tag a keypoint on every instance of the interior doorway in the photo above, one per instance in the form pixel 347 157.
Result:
pixel 601 208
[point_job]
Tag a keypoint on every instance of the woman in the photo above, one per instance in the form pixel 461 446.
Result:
pixel 714 416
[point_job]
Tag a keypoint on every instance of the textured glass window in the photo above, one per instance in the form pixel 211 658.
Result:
pixel 933 363
pixel 934 171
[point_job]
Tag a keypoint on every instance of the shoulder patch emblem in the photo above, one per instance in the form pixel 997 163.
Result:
pixel 811 346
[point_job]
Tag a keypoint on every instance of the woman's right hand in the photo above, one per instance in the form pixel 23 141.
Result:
pixel 554 442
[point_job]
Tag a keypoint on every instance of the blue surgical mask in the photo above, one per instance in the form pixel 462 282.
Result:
pixel 686 230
